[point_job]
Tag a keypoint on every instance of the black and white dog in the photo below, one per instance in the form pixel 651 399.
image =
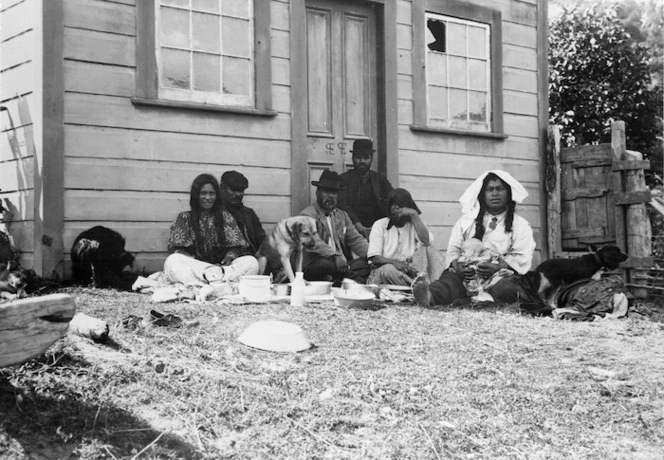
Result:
pixel 552 275
pixel 98 256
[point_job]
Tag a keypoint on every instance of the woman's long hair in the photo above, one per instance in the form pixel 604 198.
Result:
pixel 511 205
pixel 195 205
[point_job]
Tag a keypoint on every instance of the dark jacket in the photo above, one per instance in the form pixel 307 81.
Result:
pixel 347 239
pixel 249 224
pixel 351 184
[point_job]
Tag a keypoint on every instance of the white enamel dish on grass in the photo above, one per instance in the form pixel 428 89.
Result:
pixel 255 288
pixel 275 336
pixel 354 298
pixel 316 288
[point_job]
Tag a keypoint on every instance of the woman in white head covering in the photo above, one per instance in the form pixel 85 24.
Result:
pixel 488 207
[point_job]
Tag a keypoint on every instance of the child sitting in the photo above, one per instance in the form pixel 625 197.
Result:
pixel 473 253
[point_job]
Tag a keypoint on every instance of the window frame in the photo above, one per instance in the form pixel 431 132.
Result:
pixel 147 71
pixel 467 12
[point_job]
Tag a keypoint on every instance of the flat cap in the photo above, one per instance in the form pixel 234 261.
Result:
pixel 234 179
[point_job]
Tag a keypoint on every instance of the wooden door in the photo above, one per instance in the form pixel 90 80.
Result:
pixel 587 199
pixel 340 91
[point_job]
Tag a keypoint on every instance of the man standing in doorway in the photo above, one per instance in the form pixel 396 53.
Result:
pixel 364 193
pixel 233 184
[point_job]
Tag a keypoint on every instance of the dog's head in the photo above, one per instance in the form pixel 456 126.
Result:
pixel 303 230
pixel 610 256
pixel 16 278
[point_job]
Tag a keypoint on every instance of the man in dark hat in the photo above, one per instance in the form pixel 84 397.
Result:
pixel 400 245
pixel 232 187
pixel 364 193
pixel 332 259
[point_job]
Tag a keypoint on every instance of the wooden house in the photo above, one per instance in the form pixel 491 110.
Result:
pixel 110 108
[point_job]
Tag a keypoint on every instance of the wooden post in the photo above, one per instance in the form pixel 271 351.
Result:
pixel 630 196
pixel 552 184
pixel 618 149
pixel 639 233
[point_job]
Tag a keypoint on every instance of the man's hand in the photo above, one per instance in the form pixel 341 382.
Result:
pixel 487 269
pixel 364 231
pixel 467 273
pixel 405 268
pixel 406 212
pixel 228 259
pixel 341 264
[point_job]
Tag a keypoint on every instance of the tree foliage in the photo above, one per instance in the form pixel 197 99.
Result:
pixel 599 73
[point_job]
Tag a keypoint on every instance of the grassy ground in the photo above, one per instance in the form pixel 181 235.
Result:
pixel 396 382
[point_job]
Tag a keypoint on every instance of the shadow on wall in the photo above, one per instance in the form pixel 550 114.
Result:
pixel 20 135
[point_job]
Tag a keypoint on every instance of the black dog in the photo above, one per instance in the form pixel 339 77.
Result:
pixel 98 256
pixel 553 274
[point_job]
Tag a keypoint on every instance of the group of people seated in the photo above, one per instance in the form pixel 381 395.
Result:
pixel 367 231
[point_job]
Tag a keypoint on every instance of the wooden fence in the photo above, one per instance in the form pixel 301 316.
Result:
pixel 597 194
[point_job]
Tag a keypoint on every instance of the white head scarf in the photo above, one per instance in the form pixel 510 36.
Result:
pixel 471 205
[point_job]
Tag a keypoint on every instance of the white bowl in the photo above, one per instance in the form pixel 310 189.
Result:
pixel 315 288
pixel 275 336
pixel 372 288
pixel 354 298
pixel 255 288
pixel 318 288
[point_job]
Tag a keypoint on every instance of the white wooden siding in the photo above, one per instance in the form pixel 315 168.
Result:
pixel 17 144
pixel 130 167
pixel 437 168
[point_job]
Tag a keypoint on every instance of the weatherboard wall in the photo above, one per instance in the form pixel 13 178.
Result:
pixel 130 166
pixel 20 97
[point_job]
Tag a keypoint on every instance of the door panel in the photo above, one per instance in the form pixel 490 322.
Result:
pixel 319 74
pixel 357 71
pixel 341 82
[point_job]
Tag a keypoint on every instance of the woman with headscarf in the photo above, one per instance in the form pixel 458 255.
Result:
pixel 400 245
pixel 205 242
pixel 488 207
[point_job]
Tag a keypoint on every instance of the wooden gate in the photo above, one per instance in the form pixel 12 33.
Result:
pixel 596 194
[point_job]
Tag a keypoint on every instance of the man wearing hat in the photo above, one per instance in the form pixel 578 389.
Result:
pixel 232 187
pixel 364 193
pixel 332 259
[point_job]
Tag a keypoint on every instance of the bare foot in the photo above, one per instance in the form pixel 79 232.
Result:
pixel 420 289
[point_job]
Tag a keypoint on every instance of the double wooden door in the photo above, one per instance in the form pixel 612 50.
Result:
pixel 340 64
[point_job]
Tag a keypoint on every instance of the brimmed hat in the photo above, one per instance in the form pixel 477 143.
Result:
pixel 234 179
pixel 328 180
pixel 362 146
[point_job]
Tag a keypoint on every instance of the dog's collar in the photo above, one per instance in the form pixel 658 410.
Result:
pixel 599 261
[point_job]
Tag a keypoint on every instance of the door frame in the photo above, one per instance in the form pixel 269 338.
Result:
pixel 386 97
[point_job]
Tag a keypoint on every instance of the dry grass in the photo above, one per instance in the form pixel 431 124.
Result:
pixel 398 382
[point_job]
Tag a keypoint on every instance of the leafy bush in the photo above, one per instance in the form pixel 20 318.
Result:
pixel 597 74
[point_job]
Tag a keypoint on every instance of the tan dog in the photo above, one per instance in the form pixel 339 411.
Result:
pixel 289 235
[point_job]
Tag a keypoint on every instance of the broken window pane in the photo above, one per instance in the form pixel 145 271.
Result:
pixel 437 29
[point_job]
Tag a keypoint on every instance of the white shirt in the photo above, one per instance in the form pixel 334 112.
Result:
pixel 395 243
pixel 515 248
pixel 330 241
